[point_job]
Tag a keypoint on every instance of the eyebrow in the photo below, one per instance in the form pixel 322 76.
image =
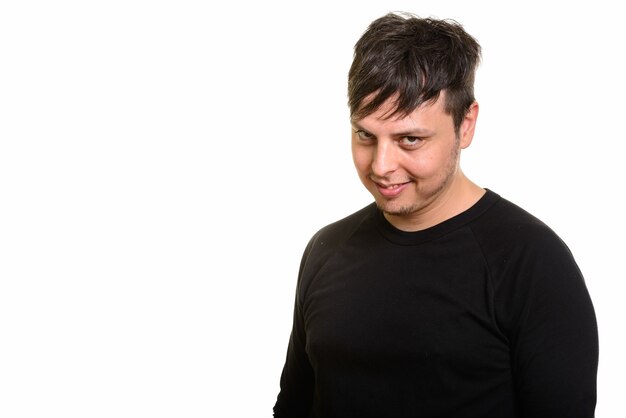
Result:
pixel 412 132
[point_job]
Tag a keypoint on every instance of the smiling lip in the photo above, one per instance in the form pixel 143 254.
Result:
pixel 391 190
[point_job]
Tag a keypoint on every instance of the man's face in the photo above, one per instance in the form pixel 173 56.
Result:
pixel 411 164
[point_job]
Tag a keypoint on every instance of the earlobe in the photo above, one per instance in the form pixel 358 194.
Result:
pixel 468 125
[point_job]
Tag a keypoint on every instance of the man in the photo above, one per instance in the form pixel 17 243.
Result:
pixel 442 299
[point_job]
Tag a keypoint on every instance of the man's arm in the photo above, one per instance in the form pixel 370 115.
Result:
pixel 554 336
pixel 296 382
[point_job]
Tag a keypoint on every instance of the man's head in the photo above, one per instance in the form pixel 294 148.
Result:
pixel 413 60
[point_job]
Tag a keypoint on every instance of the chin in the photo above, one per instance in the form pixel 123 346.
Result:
pixel 397 208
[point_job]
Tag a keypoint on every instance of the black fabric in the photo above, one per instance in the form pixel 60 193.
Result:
pixel 483 315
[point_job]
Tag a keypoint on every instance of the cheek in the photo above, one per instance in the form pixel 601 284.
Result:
pixel 361 158
pixel 423 167
pixel 418 165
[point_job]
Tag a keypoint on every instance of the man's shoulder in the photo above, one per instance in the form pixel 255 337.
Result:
pixel 505 214
pixel 507 225
pixel 336 232
pixel 345 226
pixel 328 239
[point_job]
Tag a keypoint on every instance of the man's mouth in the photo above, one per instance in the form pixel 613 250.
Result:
pixel 391 190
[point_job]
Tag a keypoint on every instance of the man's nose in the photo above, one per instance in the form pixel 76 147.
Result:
pixel 385 159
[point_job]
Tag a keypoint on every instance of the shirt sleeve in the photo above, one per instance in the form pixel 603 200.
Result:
pixel 297 379
pixel 549 318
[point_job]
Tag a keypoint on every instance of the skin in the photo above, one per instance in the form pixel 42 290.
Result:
pixel 411 164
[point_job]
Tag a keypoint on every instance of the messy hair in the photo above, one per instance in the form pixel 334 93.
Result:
pixel 413 59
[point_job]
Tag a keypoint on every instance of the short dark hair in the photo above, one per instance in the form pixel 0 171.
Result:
pixel 415 58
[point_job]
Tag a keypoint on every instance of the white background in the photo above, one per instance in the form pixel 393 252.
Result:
pixel 163 164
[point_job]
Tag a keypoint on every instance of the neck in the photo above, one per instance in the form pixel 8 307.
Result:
pixel 460 195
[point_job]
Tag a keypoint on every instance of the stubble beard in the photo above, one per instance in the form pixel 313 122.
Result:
pixel 428 196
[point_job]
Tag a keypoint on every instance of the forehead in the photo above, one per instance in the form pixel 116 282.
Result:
pixel 426 114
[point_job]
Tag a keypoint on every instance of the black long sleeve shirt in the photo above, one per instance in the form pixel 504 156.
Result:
pixel 483 315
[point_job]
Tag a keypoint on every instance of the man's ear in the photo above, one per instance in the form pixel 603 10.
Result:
pixel 466 130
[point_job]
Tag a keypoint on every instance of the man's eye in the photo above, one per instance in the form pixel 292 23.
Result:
pixel 364 135
pixel 410 141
